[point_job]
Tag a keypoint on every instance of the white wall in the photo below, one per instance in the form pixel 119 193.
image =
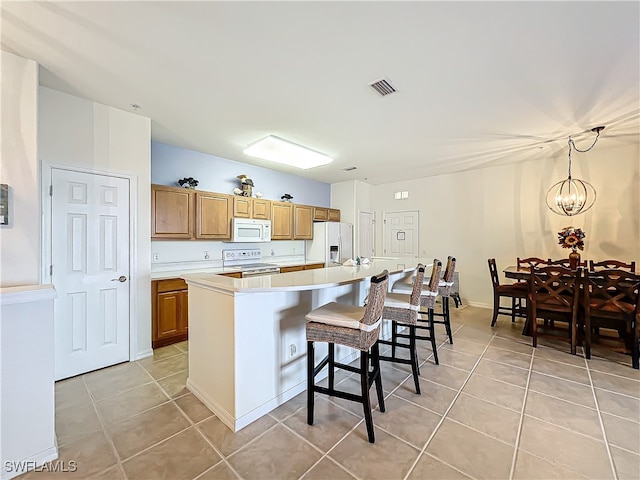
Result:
pixel 77 132
pixel 501 212
pixel 20 240
pixel 351 197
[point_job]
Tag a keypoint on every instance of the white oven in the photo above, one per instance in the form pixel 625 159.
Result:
pixel 250 230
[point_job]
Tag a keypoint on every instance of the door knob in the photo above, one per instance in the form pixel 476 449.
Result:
pixel 121 279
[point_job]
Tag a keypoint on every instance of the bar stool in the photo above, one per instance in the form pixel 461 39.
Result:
pixel 428 297
pixel 402 309
pixel 444 290
pixel 352 326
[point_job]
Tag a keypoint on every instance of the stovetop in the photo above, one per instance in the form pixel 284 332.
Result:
pixel 251 266
pixel 245 260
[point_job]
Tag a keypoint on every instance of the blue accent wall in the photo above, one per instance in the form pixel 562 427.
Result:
pixel 170 163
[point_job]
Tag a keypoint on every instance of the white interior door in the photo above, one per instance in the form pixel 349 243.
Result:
pixel 366 235
pixel 401 234
pixel 90 270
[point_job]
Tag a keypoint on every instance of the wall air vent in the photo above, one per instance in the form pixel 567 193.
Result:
pixel 348 169
pixel 383 86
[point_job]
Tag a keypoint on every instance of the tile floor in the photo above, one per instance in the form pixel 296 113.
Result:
pixel 494 408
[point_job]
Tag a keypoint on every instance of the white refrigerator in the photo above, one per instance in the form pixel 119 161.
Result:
pixel 332 243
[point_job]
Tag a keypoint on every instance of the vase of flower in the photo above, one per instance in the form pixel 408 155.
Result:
pixel 574 259
pixel 573 238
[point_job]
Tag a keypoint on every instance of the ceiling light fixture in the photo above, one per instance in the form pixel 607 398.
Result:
pixel 573 196
pixel 278 150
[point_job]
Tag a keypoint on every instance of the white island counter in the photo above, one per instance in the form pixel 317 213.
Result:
pixel 247 345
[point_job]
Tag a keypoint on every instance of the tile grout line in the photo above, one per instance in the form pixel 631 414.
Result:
pixel 444 415
pixel 516 446
pixel 604 433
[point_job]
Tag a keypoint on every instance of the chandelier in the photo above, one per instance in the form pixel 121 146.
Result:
pixel 573 196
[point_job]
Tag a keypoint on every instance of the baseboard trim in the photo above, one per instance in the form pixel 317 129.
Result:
pixel 25 465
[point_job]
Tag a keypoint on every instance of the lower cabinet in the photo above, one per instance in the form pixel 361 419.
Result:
pixel 299 268
pixel 169 312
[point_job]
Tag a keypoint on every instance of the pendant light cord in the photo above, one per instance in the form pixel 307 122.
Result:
pixel 572 144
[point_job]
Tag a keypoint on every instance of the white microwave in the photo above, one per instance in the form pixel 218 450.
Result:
pixel 250 230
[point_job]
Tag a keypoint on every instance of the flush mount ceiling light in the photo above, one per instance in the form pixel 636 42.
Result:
pixel 278 150
pixel 573 196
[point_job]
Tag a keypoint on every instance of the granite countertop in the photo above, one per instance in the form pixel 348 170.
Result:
pixel 302 280
pixel 177 273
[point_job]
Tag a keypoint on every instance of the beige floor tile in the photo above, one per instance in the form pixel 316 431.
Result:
pixel 130 403
pixel 331 423
pixel 160 354
pixel 560 355
pixel 455 359
pixel 168 366
pixel 290 407
pixel 76 421
pixel 220 472
pixel 352 385
pixel 444 375
pixel 561 370
pixel 570 391
pixel 327 469
pixel 496 392
pixel 392 374
pixel 92 454
pixel 478 455
pixel 508 357
pixel 71 393
pixel 518 346
pixel 584 455
pixel 564 414
pixel 227 441
pixel 276 454
pixel 182 346
pixel 616 384
pixel 472 334
pixel 616 404
pixel 113 473
pixel 407 421
pixel 505 373
pixel 194 408
pixel 387 458
pixel 433 396
pixel 530 467
pixel 485 417
pixel 113 380
pixel 134 434
pixel 627 464
pixel 431 467
pixel 175 385
pixel 622 433
pixel 183 456
pixel 613 368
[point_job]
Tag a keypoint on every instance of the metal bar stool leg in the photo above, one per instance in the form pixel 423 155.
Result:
pixel 364 384
pixel 310 382
pixel 375 358
pixel 414 357
pixel 447 318
pixel 432 333
pixel 331 365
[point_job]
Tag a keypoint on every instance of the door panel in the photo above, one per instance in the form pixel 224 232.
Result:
pixel 401 234
pixel 90 253
pixel 366 235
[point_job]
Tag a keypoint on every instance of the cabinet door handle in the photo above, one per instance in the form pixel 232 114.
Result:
pixel 120 279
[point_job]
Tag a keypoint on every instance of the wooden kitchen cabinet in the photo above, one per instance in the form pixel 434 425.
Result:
pixel 323 214
pixel 281 221
pixel 302 222
pixel 313 266
pixel 247 207
pixel 299 268
pixel 213 215
pixel 232 274
pixel 169 312
pixel 172 212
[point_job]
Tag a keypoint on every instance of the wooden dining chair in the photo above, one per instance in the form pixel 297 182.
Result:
pixel 553 295
pixel 516 292
pixel 530 262
pixel 612 264
pixel 565 262
pixel 611 299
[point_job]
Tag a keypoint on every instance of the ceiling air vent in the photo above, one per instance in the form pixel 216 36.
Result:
pixel 348 169
pixel 383 86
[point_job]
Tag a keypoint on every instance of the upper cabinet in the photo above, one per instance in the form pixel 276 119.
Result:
pixel 172 212
pixel 213 215
pixel 302 222
pixel 281 221
pixel 247 207
pixel 323 214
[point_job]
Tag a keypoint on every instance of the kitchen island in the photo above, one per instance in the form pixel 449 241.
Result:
pixel 247 345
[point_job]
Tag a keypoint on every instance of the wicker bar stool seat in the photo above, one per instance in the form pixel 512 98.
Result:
pixel 402 310
pixel 428 296
pixel 351 326
pixel 444 290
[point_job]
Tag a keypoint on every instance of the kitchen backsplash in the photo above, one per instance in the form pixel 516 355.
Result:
pixel 168 255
